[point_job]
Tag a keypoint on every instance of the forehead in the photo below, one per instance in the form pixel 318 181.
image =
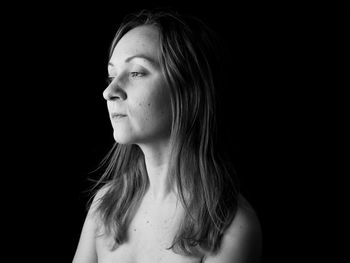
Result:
pixel 140 40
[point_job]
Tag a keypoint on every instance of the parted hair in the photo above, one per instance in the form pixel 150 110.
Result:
pixel 205 181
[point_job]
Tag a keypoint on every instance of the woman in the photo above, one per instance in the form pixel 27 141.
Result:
pixel 166 194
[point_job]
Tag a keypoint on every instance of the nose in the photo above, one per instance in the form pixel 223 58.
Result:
pixel 114 92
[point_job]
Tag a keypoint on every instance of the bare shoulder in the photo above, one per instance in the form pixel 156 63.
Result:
pixel 86 250
pixel 97 198
pixel 246 220
pixel 242 241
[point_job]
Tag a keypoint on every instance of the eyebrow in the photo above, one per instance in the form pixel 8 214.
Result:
pixel 127 60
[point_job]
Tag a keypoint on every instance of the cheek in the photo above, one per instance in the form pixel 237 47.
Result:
pixel 153 107
pixel 145 110
pixel 160 104
pixel 141 109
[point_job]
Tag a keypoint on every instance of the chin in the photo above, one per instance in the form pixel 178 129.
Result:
pixel 121 139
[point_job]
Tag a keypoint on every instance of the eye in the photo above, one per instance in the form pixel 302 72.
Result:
pixel 136 74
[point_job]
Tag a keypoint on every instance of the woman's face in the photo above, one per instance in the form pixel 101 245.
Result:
pixel 138 89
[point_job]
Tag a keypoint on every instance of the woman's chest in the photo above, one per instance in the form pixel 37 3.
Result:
pixel 150 235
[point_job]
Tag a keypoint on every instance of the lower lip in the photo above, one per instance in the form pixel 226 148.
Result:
pixel 118 118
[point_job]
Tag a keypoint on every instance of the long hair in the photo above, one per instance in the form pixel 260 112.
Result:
pixel 204 181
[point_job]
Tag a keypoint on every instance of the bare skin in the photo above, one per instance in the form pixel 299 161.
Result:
pixel 152 230
pixel 150 233
pixel 154 226
pixel 138 91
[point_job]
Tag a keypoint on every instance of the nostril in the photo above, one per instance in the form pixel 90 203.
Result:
pixel 114 95
pixel 114 92
pixel 105 94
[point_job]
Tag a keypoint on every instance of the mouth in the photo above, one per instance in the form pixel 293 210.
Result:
pixel 117 116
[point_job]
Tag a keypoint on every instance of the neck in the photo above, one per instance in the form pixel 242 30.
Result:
pixel 157 159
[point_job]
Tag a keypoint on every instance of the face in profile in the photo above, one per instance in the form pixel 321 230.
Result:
pixel 138 90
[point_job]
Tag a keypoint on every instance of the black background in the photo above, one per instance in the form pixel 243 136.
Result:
pixel 281 63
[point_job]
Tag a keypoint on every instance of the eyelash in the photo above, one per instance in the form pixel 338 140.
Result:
pixel 133 74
